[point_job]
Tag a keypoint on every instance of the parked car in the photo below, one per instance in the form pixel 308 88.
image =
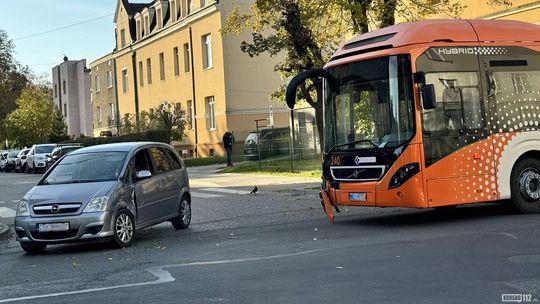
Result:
pixel 267 143
pixel 37 157
pixel 20 162
pixel 3 159
pixel 106 191
pixel 11 160
pixel 58 152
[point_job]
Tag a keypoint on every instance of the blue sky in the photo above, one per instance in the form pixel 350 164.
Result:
pixel 88 41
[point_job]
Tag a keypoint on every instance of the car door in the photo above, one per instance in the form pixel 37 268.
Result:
pixel 179 176
pixel 168 182
pixel 30 157
pixel 148 194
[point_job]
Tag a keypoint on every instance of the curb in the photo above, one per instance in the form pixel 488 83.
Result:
pixel 3 229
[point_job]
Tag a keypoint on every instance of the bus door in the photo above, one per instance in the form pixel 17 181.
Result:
pixel 456 149
pixel 511 79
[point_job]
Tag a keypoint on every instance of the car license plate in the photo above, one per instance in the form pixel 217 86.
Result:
pixel 53 227
pixel 357 196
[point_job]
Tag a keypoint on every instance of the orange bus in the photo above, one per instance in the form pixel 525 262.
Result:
pixel 432 114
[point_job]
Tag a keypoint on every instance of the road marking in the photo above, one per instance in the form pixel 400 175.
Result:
pixel 162 276
pixel 2 202
pixel 204 195
pixel 6 212
pixel 223 190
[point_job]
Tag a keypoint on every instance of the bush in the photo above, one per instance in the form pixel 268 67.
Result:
pixel 153 135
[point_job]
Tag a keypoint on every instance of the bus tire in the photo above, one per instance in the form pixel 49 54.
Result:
pixel 525 185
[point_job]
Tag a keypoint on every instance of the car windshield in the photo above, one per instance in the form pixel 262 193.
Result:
pixel 87 168
pixel 45 149
pixel 373 105
pixel 13 154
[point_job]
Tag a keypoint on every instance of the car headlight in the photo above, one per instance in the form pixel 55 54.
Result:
pixel 97 204
pixel 22 209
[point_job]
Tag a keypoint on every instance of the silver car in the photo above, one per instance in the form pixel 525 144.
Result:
pixel 107 191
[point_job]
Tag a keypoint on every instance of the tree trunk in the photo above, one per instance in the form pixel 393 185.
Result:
pixel 387 13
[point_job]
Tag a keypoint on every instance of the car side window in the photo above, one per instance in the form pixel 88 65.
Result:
pixel 175 163
pixel 142 162
pixel 161 160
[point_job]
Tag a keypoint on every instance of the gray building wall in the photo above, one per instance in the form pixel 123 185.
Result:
pixel 71 86
pixel 105 96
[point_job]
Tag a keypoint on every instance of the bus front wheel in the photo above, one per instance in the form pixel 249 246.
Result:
pixel 525 185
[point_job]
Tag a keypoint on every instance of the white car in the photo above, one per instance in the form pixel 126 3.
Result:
pixel 37 157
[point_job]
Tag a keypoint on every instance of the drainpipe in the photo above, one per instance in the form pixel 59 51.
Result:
pixel 116 98
pixel 194 97
pixel 135 88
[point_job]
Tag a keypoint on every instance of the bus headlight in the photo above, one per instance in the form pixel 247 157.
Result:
pixel 403 174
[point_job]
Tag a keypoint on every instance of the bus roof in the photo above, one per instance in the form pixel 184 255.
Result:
pixel 440 30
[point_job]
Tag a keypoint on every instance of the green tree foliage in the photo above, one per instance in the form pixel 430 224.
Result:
pixel 58 128
pixel 13 78
pixel 31 122
pixel 166 116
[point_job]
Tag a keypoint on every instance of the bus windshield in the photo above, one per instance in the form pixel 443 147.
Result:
pixel 373 106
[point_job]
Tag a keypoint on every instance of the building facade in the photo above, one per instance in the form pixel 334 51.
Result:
pixel 71 94
pixel 173 50
pixel 103 97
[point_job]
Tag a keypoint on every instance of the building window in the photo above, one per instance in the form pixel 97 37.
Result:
pixel 55 91
pixel 125 85
pixel 159 19
pixel 98 113
pixel 64 87
pixel 65 110
pixel 141 74
pixel 204 3
pixel 161 66
pixel 109 79
pixel 146 26
pixel 211 112
pixel 139 30
pixel 149 70
pixel 112 112
pixel 174 10
pixel 186 57
pixel 122 38
pixel 190 114
pixel 176 63
pixel 98 84
pixel 207 51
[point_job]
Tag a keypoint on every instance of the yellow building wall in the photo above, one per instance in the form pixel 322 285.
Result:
pixel 521 10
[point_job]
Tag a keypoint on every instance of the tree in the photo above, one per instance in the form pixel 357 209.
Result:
pixel 13 79
pixel 307 32
pixel 31 122
pixel 166 116
pixel 58 128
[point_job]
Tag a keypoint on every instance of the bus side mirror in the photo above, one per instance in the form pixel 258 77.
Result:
pixel 429 100
pixel 290 94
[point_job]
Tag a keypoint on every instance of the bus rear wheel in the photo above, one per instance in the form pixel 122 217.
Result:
pixel 525 185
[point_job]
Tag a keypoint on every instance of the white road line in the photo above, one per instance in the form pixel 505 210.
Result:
pixel 223 190
pixel 2 202
pixel 15 201
pixel 6 212
pixel 204 195
pixel 162 276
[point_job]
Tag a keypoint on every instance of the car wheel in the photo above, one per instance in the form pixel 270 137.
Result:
pixel 34 170
pixel 17 169
pixel 525 185
pixel 124 228
pixel 183 219
pixel 33 247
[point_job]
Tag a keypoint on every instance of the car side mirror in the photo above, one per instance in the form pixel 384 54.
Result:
pixel 143 174
pixel 429 100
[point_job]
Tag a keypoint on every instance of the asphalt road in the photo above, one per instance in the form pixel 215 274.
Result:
pixel 277 247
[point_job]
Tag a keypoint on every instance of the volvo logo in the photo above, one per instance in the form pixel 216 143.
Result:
pixel 55 208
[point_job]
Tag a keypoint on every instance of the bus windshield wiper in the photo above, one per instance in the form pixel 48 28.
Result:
pixel 354 142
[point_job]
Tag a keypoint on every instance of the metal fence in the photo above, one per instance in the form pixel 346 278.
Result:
pixel 287 149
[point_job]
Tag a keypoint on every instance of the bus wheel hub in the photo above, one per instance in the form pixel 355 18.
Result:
pixel 529 185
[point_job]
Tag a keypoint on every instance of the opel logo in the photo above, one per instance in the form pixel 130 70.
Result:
pixel 55 208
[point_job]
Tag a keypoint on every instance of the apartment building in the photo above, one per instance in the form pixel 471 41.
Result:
pixel 172 50
pixel 71 94
pixel 521 10
pixel 103 96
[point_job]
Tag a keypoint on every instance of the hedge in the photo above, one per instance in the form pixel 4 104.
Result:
pixel 153 135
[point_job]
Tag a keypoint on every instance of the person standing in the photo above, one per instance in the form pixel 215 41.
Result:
pixel 228 140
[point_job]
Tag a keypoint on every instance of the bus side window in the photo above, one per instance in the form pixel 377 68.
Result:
pixel 458 102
